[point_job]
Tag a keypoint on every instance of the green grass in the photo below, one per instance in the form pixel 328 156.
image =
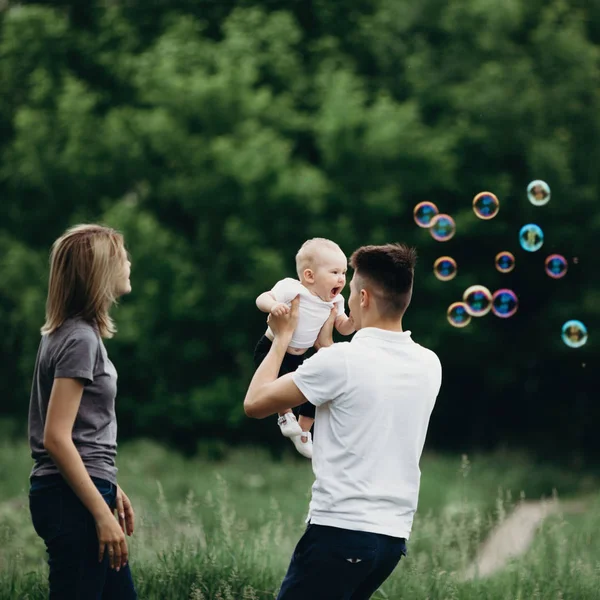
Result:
pixel 226 530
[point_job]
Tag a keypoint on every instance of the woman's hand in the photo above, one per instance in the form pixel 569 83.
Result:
pixel 125 512
pixel 111 539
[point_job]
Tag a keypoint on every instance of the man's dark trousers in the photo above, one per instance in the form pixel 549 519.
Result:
pixel 330 563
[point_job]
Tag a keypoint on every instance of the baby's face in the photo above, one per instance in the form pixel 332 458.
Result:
pixel 330 274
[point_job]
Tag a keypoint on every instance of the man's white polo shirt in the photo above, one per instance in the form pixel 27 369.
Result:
pixel 374 396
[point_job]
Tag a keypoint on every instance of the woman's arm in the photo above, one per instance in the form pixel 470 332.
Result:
pixel 65 399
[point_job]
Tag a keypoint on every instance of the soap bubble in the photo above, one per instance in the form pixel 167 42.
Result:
pixel 556 266
pixel 531 237
pixel 424 212
pixel 574 333
pixel 486 205
pixel 505 261
pixel 457 315
pixel 504 303
pixel 538 192
pixel 478 300
pixel 444 268
pixel 442 228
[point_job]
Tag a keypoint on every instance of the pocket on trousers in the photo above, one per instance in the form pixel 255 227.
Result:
pixel 104 486
pixel 46 508
pixel 355 556
pixel 107 490
pixel 353 547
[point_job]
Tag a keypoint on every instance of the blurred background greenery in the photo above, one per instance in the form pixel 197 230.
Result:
pixel 219 135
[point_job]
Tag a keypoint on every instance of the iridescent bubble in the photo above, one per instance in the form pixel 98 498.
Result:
pixel 486 205
pixel 504 303
pixel 574 333
pixel 538 192
pixel 457 315
pixel 556 266
pixel 444 268
pixel 424 212
pixel 442 228
pixel 478 300
pixel 531 237
pixel 505 261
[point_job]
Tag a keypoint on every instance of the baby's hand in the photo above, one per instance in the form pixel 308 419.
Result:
pixel 280 309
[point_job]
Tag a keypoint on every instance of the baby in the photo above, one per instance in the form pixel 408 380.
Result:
pixel 321 266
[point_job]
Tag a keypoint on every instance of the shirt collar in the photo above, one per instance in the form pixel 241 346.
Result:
pixel 383 334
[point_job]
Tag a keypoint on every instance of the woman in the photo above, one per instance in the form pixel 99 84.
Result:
pixel 72 423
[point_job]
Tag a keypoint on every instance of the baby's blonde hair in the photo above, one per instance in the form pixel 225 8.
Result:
pixel 84 264
pixel 307 256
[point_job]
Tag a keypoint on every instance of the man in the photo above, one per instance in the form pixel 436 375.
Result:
pixel 374 396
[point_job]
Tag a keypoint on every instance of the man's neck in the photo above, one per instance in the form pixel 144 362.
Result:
pixel 386 324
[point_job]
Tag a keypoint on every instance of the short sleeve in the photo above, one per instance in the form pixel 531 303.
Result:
pixel 286 289
pixel 322 378
pixel 436 370
pixel 338 301
pixel 77 356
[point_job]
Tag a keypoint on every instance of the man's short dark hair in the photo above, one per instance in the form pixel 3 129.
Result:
pixel 389 269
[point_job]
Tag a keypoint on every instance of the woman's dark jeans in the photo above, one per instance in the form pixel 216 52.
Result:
pixel 69 531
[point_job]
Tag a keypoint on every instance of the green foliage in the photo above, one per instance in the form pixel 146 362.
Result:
pixel 219 138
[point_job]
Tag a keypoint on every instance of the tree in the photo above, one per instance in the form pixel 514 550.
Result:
pixel 220 138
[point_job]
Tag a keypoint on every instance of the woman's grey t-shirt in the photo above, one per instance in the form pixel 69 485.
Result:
pixel 75 350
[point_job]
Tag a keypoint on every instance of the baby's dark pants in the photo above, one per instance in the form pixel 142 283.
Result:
pixel 290 363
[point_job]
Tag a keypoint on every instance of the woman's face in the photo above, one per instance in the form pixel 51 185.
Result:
pixel 123 284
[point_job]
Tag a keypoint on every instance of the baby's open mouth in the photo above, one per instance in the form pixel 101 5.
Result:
pixel 335 291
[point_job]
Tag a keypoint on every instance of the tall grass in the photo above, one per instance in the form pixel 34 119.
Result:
pixel 227 530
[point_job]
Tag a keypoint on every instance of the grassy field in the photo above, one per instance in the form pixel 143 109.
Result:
pixel 226 530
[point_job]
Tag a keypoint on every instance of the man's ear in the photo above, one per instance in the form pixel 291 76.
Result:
pixel 365 298
pixel 309 275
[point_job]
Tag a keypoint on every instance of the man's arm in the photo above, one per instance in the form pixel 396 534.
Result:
pixel 269 396
pixel 325 337
pixel 266 393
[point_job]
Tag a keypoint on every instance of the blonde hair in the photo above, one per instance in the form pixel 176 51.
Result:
pixel 307 256
pixel 84 264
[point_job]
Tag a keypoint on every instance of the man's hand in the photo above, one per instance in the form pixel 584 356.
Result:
pixel 325 337
pixel 280 309
pixel 268 393
pixel 283 325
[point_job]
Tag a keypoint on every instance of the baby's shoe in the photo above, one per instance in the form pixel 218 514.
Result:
pixel 289 425
pixel 303 443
